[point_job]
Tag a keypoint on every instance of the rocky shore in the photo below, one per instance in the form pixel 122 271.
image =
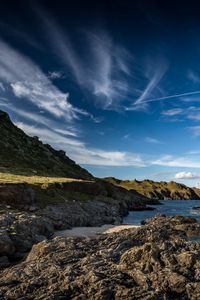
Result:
pixel 24 222
pixel 155 261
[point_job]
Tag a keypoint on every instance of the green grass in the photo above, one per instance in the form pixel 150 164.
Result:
pixel 35 180
pixel 48 190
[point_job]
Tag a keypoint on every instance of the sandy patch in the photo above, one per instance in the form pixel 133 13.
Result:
pixel 93 231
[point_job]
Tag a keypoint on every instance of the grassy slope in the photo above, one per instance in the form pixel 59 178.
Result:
pixel 21 154
pixel 160 190
pixel 35 180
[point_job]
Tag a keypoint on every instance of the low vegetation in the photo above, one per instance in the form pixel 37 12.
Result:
pixel 35 180
pixel 159 190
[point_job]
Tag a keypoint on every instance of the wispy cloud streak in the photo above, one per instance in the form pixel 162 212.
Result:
pixel 26 80
pixel 153 83
pixel 100 67
pixel 172 96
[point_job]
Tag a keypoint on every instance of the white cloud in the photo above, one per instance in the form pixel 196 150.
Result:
pixel 173 161
pixel 28 81
pixel 55 74
pixel 48 135
pixel 38 119
pixel 107 70
pixel 110 158
pixel 78 151
pixel 66 132
pixel 194 117
pixel 172 112
pixel 186 175
pixel 190 113
pixel 152 140
pixel 102 68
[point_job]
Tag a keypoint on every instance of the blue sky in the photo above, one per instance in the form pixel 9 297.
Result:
pixel 115 84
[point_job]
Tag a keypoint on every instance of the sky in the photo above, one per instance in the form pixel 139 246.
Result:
pixel 116 84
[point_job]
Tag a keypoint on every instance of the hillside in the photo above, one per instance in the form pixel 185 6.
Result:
pixel 159 190
pixel 22 154
pixel 42 190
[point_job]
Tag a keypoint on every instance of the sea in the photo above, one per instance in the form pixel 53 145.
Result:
pixel 167 207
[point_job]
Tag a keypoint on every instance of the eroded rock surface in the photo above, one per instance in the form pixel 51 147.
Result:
pixel 18 232
pixel 156 261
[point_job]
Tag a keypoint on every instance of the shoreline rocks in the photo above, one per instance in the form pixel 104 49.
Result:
pixel 21 229
pixel 30 214
pixel 155 261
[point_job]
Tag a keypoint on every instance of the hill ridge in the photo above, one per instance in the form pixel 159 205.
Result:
pixel 22 154
pixel 160 190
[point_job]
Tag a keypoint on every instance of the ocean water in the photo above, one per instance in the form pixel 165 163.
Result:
pixel 169 208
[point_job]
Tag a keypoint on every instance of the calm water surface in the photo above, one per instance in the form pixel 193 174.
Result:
pixel 169 208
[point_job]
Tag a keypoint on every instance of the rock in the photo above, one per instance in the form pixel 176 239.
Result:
pixel 20 231
pixel 4 262
pixel 177 283
pixel 186 259
pixel 193 291
pixel 33 208
pixel 6 244
pixel 155 261
pixel 17 195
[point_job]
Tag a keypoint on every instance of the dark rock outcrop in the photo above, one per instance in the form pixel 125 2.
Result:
pixel 155 261
pixel 21 229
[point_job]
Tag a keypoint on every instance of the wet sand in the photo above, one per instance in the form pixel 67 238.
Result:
pixel 93 231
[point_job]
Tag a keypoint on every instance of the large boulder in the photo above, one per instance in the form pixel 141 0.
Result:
pixel 19 231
